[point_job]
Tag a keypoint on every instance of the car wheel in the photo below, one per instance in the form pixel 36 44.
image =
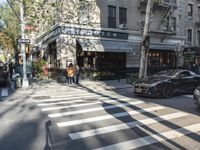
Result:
pixel 167 91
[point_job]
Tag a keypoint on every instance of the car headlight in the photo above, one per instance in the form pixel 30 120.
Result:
pixel 197 92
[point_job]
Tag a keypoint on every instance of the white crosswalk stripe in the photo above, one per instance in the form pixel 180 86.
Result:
pixel 4 92
pixel 78 105
pixel 87 110
pixel 128 125
pixel 189 96
pixel 109 116
pixel 66 98
pixel 60 102
pixel 61 108
pixel 155 138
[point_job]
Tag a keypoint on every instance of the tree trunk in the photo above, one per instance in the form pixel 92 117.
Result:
pixel 145 51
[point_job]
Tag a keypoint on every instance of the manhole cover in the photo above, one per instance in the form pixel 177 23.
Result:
pixel 41 97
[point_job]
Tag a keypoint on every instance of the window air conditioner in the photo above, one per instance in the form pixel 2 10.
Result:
pixel 122 26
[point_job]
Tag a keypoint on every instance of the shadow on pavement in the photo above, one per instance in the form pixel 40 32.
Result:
pixel 138 131
pixel 20 137
pixel 162 102
pixel 48 136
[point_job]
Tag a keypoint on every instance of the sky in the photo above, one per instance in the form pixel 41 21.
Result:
pixel 2 1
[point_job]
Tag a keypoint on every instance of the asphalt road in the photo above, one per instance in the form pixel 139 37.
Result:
pixel 60 117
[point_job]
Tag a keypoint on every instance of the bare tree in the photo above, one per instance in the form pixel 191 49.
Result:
pixel 144 46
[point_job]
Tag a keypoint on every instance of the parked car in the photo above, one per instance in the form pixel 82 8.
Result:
pixel 3 75
pixel 196 96
pixel 167 83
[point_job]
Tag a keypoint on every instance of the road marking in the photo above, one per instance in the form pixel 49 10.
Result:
pixel 79 105
pixel 79 94
pixel 62 102
pixel 87 104
pixel 66 98
pixel 93 109
pixel 155 138
pixel 189 96
pixel 4 92
pixel 72 95
pixel 108 116
pixel 94 132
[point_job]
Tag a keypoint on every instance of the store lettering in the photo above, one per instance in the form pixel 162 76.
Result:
pixel 83 32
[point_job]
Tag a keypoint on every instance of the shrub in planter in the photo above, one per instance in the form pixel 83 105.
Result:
pixel 37 67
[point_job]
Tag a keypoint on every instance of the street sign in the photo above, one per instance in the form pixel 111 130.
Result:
pixel 24 41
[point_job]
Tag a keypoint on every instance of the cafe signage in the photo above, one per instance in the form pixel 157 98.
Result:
pixel 83 32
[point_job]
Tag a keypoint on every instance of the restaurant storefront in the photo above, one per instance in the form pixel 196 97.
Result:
pixel 191 57
pixel 161 57
pixel 102 53
pixel 101 64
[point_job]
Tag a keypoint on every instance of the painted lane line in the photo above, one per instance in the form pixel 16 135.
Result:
pixel 62 96
pixel 93 109
pixel 80 93
pixel 155 138
pixel 108 116
pixel 4 92
pixel 60 102
pixel 80 105
pixel 128 125
pixel 67 98
pixel 50 100
pixel 189 96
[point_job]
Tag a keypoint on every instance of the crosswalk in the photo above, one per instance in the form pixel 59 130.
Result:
pixel 121 122
pixel 4 92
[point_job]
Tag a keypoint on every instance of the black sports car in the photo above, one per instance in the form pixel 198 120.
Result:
pixel 196 96
pixel 167 83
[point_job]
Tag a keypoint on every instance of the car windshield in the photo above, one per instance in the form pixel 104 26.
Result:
pixel 166 73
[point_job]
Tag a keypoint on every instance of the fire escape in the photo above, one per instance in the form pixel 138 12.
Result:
pixel 167 22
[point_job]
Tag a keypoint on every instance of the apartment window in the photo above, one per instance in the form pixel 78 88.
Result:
pixel 122 15
pixel 167 27
pixel 198 38
pixel 198 13
pixel 173 23
pixel 190 10
pixel 111 17
pixel 189 35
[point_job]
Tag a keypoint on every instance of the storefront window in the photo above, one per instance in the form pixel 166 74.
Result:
pixel 161 60
pixel 189 35
pixel 53 54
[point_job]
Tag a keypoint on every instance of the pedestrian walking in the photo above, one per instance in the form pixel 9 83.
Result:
pixel 11 69
pixel 70 73
pixel 45 71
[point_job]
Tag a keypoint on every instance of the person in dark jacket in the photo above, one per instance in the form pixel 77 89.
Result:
pixel 77 74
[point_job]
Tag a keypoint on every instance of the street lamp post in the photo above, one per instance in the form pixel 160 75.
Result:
pixel 21 18
pixel 25 80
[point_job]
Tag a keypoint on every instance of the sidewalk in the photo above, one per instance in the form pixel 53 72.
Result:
pixel 107 85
